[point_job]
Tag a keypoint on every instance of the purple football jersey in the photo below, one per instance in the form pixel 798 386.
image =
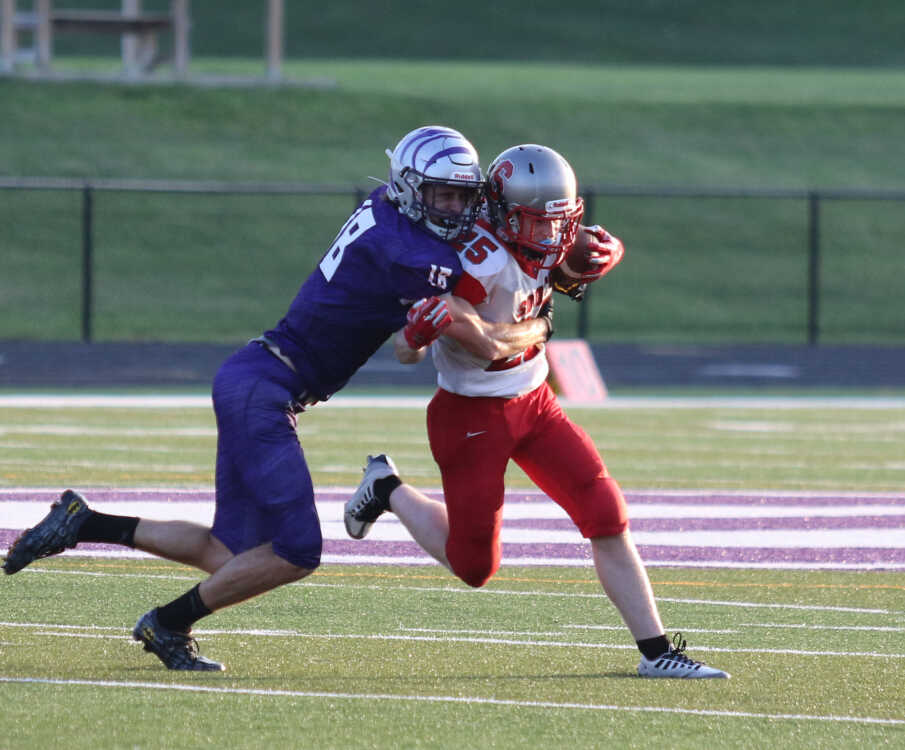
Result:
pixel 358 296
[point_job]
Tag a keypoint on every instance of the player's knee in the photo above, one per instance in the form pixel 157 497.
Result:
pixel 605 509
pixel 475 576
pixel 474 566
pixel 304 559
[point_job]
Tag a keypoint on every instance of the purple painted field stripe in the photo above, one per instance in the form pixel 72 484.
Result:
pixel 655 553
pixel 702 498
pixel 581 551
pixel 650 553
pixel 754 498
pixel 810 523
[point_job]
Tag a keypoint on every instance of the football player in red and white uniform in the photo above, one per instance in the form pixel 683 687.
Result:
pixel 494 404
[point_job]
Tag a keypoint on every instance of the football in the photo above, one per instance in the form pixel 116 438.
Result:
pixel 577 261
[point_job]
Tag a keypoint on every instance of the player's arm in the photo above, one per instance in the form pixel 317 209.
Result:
pixel 456 317
pixel 494 341
pixel 404 353
pixel 426 320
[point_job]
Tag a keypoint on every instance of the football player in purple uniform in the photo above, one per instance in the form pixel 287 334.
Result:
pixel 392 252
pixel 492 406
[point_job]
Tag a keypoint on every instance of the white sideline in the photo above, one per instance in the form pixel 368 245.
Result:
pixel 467 700
pixel 188 401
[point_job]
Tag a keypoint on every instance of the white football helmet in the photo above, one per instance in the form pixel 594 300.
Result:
pixel 533 203
pixel 436 156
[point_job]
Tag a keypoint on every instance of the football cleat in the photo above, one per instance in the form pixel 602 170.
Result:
pixel 176 650
pixel 365 507
pixel 675 664
pixel 56 532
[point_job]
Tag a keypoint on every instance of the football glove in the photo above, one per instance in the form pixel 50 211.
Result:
pixel 427 319
pixel 604 252
pixel 546 315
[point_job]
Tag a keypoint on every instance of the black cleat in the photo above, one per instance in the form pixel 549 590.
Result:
pixel 365 507
pixel 176 650
pixel 55 533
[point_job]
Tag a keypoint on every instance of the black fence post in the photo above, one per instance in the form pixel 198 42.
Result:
pixel 87 264
pixel 813 268
pixel 584 307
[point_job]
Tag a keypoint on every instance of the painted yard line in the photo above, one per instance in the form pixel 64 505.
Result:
pixel 565 627
pixel 767 499
pixel 681 559
pixel 614 628
pixel 85 431
pixel 514 494
pixel 175 401
pixel 466 700
pixel 524 519
pixel 622 627
pixel 845 538
pixel 16 509
pixel 773 605
pixel 453 589
pixel 518 549
pixel 409 638
pixel 802 626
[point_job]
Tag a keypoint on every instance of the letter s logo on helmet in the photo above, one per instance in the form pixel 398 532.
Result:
pixel 424 161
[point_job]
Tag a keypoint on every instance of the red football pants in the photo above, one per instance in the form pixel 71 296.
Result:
pixel 472 440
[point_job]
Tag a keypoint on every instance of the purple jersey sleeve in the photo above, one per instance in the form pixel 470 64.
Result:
pixel 358 296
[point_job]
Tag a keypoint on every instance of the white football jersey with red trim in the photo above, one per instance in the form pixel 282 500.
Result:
pixel 501 292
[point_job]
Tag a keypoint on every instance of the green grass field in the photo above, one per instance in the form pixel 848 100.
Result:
pixel 703 32
pixel 707 94
pixel 379 657
pixel 189 267
pixel 372 657
pixel 649 447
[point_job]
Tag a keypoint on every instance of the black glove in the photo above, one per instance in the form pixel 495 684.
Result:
pixel 546 315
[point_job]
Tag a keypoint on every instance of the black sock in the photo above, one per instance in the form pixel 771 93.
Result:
pixel 100 527
pixel 654 647
pixel 181 613
pixel 383 488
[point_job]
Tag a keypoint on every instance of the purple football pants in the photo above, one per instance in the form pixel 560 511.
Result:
pixel 264 490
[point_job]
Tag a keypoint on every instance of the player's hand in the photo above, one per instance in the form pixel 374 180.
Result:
pixel 546 315
pixel 604 252
pixel 427 319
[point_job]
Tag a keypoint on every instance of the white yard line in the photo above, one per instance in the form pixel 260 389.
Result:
pixel 466 700
pixel 408 638
pixel 453 589
pixel 54 491
pixel 511 562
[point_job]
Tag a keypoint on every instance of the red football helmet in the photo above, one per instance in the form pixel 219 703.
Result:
pixel 533 205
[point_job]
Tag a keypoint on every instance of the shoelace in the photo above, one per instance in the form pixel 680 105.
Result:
pixel 191 647
pixel 677 652
pixel 367 497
